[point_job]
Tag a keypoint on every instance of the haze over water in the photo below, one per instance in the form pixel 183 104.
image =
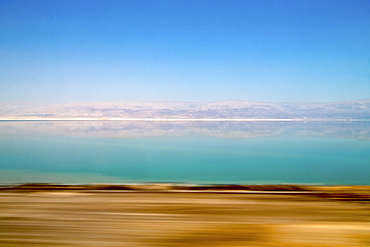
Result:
pixel 184 152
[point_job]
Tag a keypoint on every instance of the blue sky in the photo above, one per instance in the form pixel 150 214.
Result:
pixel 61 51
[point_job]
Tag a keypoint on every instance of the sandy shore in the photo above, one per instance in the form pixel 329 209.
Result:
pixel 177 215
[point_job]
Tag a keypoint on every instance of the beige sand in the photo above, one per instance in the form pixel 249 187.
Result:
pixel 160 218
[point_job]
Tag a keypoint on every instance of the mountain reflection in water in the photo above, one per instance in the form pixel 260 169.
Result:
pixel 184 152
pixel 223 129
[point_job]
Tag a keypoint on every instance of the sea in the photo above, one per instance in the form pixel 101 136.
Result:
pixel 188 152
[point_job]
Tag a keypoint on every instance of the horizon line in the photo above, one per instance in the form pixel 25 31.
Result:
pixel 195 119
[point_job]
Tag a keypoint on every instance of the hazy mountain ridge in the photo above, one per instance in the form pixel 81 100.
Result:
pixel 230 109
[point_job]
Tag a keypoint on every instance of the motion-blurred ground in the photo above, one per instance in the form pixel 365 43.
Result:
pixel 132 218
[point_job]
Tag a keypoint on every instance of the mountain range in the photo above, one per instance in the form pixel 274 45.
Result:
pixel 230 109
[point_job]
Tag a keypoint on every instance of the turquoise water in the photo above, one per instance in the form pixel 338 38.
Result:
pixel 128 152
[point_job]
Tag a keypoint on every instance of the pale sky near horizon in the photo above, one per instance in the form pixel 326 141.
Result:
pixel 62 51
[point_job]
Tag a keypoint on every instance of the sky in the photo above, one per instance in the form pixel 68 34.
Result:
pixel 64 51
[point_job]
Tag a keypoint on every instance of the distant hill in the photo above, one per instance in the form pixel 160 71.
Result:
pixel 231 109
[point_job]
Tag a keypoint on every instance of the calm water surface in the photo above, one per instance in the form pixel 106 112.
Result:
pixel 195 152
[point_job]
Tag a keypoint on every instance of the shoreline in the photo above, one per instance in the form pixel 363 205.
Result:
pixel 336 192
